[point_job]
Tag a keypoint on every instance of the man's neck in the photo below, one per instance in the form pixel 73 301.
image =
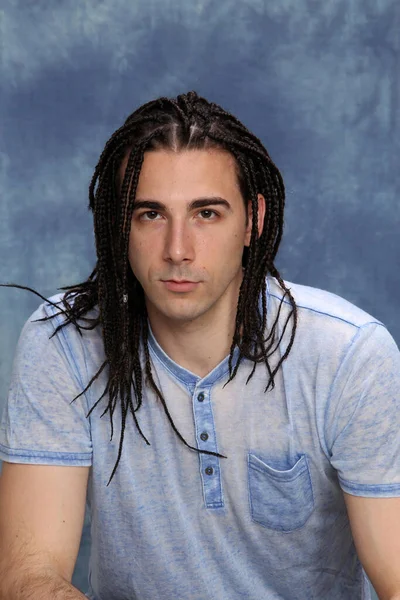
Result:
pixel 200 345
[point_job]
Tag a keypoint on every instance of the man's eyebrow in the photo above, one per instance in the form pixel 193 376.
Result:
pixel 194 204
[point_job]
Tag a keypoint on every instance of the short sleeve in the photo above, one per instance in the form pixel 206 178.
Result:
pixel 363 415
pixel 40 424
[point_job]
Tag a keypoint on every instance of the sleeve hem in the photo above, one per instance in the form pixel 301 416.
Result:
pixel 45 458
pixel 369 490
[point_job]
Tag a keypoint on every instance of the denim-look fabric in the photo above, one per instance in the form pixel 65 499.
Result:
pixel 268 521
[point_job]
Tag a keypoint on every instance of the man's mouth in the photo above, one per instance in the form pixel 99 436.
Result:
pixel 180 285
pixel 180 280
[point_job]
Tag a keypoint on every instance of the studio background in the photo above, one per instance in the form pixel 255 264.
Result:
pixel 317 81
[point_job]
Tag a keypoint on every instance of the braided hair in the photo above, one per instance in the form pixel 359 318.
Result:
pixel 183 123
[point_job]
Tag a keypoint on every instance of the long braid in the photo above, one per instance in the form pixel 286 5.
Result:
pixel 112 290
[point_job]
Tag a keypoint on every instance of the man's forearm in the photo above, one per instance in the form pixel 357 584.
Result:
pixel 40 587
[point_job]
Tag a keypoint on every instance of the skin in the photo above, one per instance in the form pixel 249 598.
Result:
pixel 175 240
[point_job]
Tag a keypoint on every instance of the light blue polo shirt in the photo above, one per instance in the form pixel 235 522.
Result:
pixel 267 522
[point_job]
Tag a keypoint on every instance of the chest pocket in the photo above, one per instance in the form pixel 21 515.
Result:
pixel 280 500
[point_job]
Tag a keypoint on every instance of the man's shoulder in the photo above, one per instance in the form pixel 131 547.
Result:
pixel 51 314
pixel 54 307
pixel 49 331
pixel 314 301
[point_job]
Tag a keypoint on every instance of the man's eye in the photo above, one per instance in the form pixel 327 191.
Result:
pixel 208 214
pixel 150 215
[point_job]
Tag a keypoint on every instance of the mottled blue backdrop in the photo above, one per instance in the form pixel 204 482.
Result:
pixel 317 81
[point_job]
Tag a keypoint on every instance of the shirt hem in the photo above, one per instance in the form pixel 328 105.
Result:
pixel 369 490
pixel 44 457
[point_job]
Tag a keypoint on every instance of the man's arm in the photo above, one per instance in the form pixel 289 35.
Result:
pixel 42 510
pixel 42 587
pixel 375 525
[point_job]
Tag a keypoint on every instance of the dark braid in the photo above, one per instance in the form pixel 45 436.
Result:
pixel 185 122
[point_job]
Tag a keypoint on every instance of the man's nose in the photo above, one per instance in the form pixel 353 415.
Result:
pixel 178 246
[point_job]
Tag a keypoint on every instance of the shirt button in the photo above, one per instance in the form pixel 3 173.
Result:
pixel 200 397
pixel 204 436
pixel 209 470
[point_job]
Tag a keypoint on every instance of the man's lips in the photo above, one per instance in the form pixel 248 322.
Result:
pixel 180 285
pixel 179 280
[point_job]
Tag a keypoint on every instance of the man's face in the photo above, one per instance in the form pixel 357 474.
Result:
pixel 187 233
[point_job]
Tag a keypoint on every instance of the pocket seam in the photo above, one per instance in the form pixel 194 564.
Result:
pixel 265 467
pixel 302 468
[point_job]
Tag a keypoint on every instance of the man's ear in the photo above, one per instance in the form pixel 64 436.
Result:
pixel 261 216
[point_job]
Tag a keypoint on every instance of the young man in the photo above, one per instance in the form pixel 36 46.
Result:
pixel 258 419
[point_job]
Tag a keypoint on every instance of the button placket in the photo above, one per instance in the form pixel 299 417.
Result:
pixel 206 440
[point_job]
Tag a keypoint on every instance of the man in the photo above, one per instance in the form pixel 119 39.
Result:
pixel 258 419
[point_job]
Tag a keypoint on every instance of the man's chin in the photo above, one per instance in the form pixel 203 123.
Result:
pixel 176 314
pixel 180 316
